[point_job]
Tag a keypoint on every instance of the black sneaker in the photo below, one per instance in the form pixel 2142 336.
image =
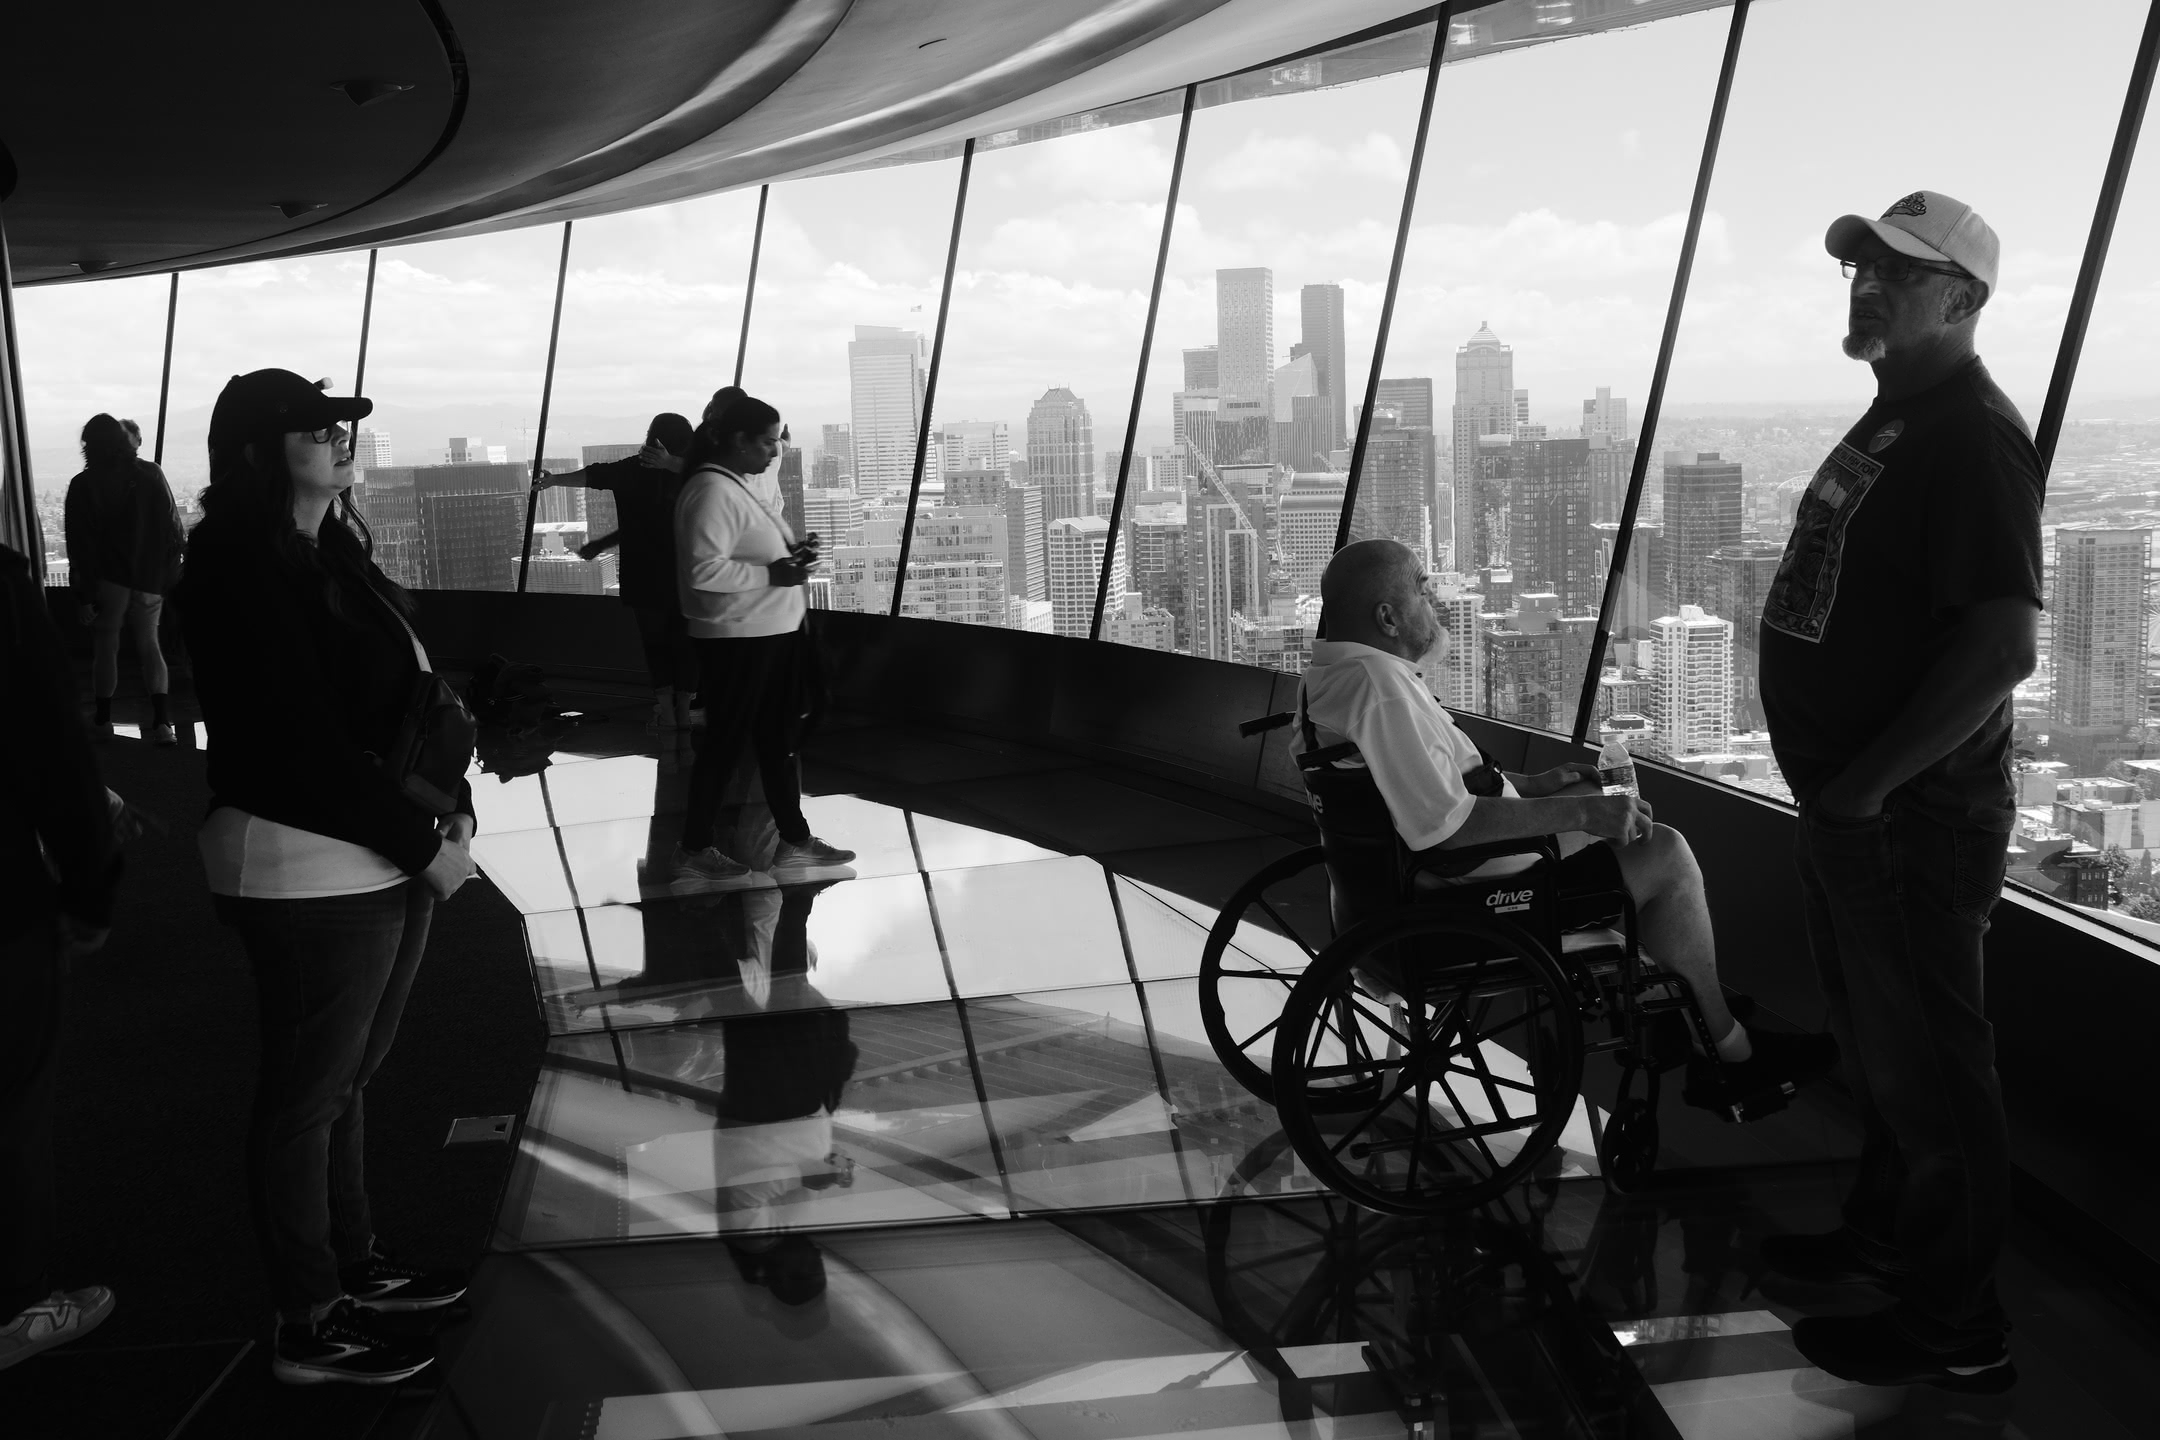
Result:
pixel 1829 1259
pixel 1764 1081
pixel 1875 1350
pixel 380 1283
pixel 344 1347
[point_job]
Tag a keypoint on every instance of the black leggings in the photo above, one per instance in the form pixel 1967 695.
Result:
pixel 757 689
pixel 668 656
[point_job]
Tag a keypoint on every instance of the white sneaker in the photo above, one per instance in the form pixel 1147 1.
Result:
pixel 714 869
pixel 812 859
pixel 60 1317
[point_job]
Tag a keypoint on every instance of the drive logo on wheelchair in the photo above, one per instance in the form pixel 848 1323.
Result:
pixel 1507 902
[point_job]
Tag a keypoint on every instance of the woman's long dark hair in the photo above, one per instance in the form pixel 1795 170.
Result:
pixel 105 442
pixel 256 497
pixel 731 414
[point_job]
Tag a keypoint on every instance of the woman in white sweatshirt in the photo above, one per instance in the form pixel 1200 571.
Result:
pixel 740 572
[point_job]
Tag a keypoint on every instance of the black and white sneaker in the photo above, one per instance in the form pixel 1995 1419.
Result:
pixel 380 1283
pixel 345 1347
pixel 811 859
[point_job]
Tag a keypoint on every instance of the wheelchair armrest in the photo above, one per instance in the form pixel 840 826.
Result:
pixel 1249 728
pixel 1454 861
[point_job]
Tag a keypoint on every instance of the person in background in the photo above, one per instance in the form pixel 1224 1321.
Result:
pixel 304 659
pixel 124 546
pixel 739 576
pixel 645 513
pixel 58 868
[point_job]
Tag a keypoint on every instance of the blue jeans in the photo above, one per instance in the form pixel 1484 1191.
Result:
pixel 331 977
pixel 1897 907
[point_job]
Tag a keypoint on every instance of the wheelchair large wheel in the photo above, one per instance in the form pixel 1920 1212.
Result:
pixel 1262 942
pixel 1464 1033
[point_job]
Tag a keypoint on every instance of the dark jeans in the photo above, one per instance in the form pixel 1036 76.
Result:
pixel 756 690
pixel 33 972
pixel 1896 910
pixel 669 660
pixel 331 977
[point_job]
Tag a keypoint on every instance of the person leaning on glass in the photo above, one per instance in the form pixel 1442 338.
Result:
pixel 304 660
pixel 740 573
pixel 124 544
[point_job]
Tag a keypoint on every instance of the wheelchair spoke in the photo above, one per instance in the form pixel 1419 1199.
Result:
pixel 1373 1114
pixel 1284 978
pixel 1247 1042
pixel 1473 1130
pixel 1491 1079
pixel 1288 931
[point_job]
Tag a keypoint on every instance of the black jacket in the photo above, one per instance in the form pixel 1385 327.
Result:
pixel 299 703
pixel 122 526
pixel 49 785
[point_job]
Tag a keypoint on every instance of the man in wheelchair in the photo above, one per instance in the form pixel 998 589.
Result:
pixel 1367 687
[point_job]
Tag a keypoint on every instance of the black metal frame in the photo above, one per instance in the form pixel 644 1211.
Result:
pixel 1147 351
pixel 164 388
pixel 1442 17
pixel 547 394
pixel 2105 210
pixel 937 359
pixel 367 321
pixel 1616 575
pixel 18 503
pixel 757 248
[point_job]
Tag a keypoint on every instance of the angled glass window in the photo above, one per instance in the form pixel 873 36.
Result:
pixel 2088 796
pixel 87 349
pixel 1762 401
pixel 1049 300
pixel 652 316
pixel 298 315
pixel 456 357
pixel 1270 304
pixel 1535 287
pixel 840 335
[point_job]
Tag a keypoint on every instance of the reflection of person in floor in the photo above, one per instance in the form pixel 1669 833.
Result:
pixel 784 1071
pixel 1366 686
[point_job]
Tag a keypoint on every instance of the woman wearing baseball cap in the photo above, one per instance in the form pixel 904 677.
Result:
pixel 304 663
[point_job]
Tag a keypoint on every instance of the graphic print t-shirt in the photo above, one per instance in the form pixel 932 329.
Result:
pixel 1929 505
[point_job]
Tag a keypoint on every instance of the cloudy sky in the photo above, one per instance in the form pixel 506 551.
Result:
pixel 1552 206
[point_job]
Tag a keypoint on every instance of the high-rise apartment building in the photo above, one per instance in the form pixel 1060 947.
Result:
pixel 1306 519
pixel 1301 437
pixel 1026 561
pixel 1484 405
pixel 839 449
pixel 1395 489
pixel 1155 557
pixel 1702 514
pixel 1203 369
pixel 834 515
pixel 1226 562
pixel 1642 597
pixel 472 450
pixel 1535 658
pixel 885 392
pixel 1459 680
pixel 1740 577
pixel 1603 415
pixel 371 450
pixel 1245 332
pixel 1612 464
pixel 1691 691
pixel 1320 315
pixel 975 445
pixel 1410 397
pixel 1061 454
pixel 2098 606
pixel 471 540
pixel 1550 543
pixel 1076 556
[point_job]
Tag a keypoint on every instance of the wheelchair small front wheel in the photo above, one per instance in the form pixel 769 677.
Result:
pixel 1472 1068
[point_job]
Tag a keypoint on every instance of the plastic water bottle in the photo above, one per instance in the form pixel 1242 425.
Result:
pixel 1616 769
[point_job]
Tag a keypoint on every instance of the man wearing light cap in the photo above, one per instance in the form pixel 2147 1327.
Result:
pixel 1903 614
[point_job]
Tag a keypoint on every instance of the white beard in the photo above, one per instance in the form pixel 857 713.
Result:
pixel 1865 348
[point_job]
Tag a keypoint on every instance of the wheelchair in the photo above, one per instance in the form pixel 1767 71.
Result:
pixel 1421 1030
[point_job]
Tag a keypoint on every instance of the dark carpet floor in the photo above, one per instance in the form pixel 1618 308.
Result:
pixel 156 1080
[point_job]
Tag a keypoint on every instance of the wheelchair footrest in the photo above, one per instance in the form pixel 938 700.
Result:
pixel 1706 1091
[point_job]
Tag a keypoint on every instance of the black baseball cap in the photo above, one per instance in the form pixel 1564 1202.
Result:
pixel 278 402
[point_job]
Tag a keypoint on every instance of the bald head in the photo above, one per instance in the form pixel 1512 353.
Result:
pixel 1374 594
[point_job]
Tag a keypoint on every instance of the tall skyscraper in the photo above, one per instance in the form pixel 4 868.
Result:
pixel 1643 597
pixel 975 445
pixel 2098 607
pixel 371 450
pixel 1410 397
pixel 1076 555
pixel 1460 681
pixel 885 391
pixel 1603 415
pixel 1691 691
pixel 1061 454
pixel 1155 547
pixel 1550 543
pixel 1740 577
pixel 1702 514
pixel 1245 332
pixel 839 448
pixel 1301 435
pixel 1612 464
pixel 1320 313
pixel 1395 489
pixel 1484 405
pixel 1226 561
